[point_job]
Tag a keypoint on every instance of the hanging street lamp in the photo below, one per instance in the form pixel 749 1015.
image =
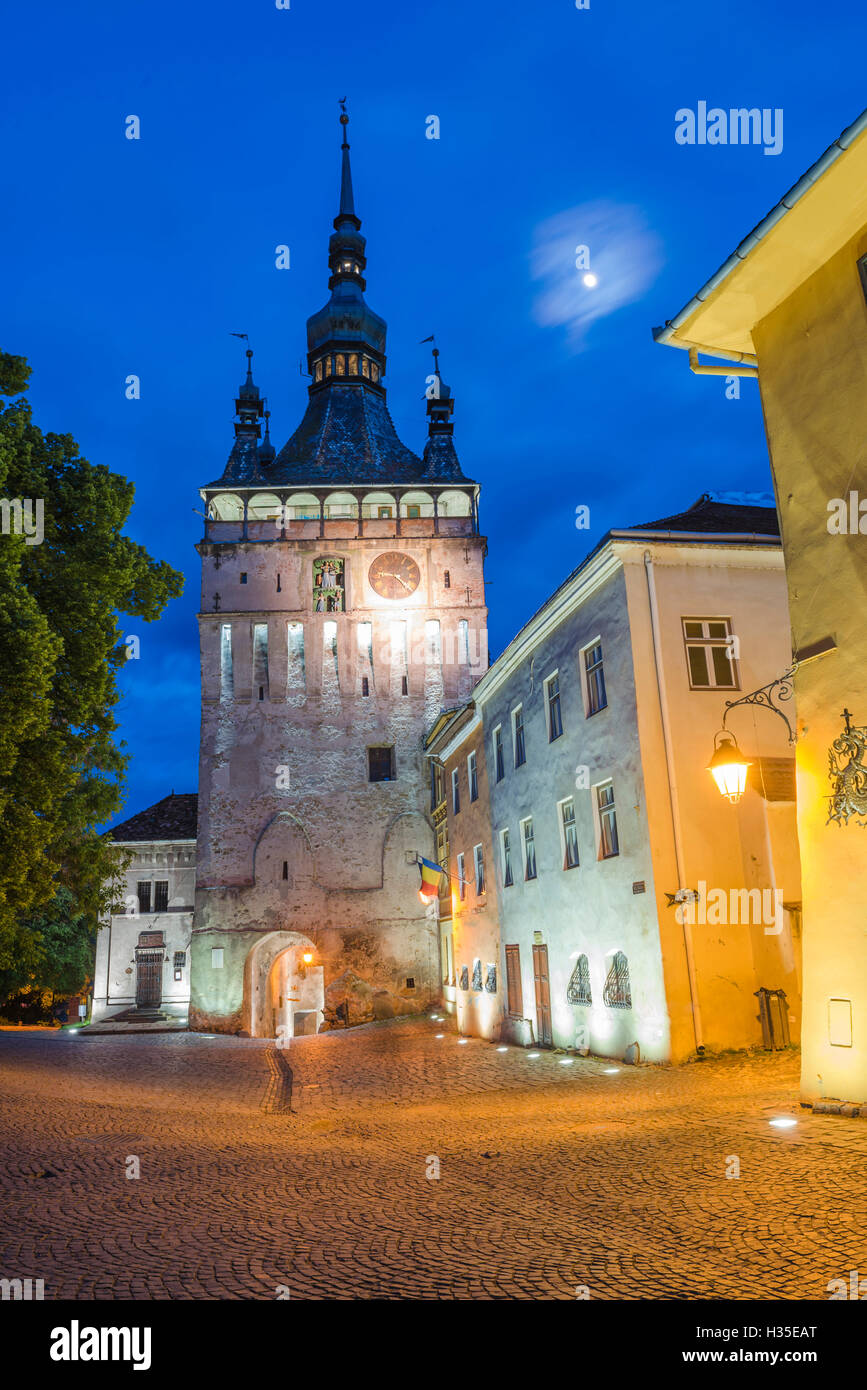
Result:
pixel 728 766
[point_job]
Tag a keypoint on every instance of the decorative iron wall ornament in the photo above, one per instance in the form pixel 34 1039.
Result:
pixel 848 774
pixel 764 696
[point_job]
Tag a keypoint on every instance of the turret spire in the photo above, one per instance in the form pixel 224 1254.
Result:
pixel 243 464
pixel 347 202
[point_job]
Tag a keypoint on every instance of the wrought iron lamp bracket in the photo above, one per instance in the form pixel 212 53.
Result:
pixel 764 697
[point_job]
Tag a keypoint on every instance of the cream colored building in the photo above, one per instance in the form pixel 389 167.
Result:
pixel 789 305
pixel 142 965
pixel 599 721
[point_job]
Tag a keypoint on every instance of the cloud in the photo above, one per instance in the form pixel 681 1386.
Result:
pixel 624 256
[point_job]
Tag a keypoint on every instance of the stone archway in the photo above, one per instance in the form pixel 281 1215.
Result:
pixel 280 988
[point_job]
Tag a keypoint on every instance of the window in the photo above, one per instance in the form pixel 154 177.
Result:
pixel 514 992
pixel 380 764
pixel 594 676
pixel 340 364
pixel 285 870
pixel 518 736
pixel 404 685
pixel 413 511
pixel 260 658
pixel 709 656
pixel 506 858
pixel 552 694
pixel 464 982
pixel 227 685
pixel 463 642
pixel 448 958
pixel 498 753
pixel 609 844
pixel 244 578
pixel 447 580
pixel 462 878
pixel 529 848
pixel 473 777
pixel 374 372
pixel 295 671
pixel 479 861
pixel 179 963
pixel 365 367
pixel 456 792
pixel 161 897
pixel 568 834
pixel 383 513
pixel 216 957
pixel 318 370
pixel 477 974
pixel 578 988
pixel 616 993
pixel 353 364
pixel 490 978
pixel 365 685
pixel 144 896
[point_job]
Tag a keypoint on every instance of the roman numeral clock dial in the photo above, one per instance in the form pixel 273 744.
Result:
pixel 393 575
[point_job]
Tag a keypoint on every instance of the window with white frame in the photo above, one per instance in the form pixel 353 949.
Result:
pixel 552 707
pixel 462 878
pixel 456 791
pixel 473 777
pixel 709 654
pixel 479 863
pixel 528 848
pixel 518 742
pixel 594 678
pixel 568 833
pixel 499 769
pixel 506 858
pixel 606 815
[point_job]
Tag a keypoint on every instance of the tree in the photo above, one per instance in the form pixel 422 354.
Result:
pixel 61 770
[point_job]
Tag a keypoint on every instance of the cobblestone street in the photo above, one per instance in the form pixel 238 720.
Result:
pixel 309 1171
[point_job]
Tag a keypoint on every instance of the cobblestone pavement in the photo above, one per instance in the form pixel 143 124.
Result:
pixel 308 1170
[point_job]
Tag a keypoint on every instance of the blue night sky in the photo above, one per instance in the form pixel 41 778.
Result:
pixel 557 128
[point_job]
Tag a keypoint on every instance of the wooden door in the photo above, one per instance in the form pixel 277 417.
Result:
pixel 513 981
pixel 148 977
pixel 543 996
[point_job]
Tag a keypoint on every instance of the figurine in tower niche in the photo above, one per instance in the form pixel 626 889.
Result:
pixel 328 587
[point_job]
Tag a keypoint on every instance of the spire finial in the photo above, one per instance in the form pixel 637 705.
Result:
pixel 344 121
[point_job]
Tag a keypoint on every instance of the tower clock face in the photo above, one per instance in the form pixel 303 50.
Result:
pixel 394 575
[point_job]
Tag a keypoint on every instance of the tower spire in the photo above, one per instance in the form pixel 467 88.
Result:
pixel 347 202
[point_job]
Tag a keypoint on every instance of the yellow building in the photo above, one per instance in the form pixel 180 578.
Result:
pixel 789 306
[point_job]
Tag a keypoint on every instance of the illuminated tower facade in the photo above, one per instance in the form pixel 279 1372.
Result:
pixel 342 607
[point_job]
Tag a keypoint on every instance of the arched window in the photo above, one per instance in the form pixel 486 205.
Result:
pixel 302 506
pixel 374 372
pixel 265 506
pixel 317 370
pixel 328 366
pixel 341 364
pixel 365 367
pixel 226 506
pixel 578 989
pixel 353 364
pixel 617 993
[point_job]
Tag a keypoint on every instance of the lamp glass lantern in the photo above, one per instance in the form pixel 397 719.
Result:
pixel 728 767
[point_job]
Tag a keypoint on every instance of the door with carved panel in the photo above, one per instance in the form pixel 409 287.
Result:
pixel 543 996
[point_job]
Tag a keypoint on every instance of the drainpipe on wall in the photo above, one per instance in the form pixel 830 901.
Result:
pixel 672 797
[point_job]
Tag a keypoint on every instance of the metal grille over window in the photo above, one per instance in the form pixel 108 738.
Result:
pixel 180 960
pixel 578 988
pixel 465 977
pixel 490 978
pixel 596 696
pixel 616 994
pixel 161 897
pixel 477 974
pixel 710 651
pixel 144 896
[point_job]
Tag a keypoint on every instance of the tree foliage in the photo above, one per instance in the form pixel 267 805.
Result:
pixel 61 647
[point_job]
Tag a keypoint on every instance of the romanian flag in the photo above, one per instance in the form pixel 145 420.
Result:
pixel 430 878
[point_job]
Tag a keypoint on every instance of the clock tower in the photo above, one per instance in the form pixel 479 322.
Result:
pixel 342 608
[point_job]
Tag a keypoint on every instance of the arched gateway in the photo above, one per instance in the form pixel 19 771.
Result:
pixel 281 989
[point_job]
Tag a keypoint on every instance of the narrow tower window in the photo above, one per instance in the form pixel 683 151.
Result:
pixel 227 686
pixel 447 580
pixel 260 658
pixel 295 678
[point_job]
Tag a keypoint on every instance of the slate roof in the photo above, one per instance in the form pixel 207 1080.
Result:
pixel 346 436
pixel 173 818
pixel 712 517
